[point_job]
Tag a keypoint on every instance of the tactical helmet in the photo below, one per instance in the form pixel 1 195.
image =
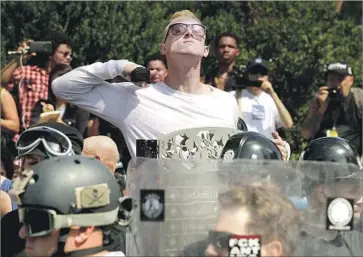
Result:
pixel 331 149
pixel 339 159
pixel 250 145
pixel 66 191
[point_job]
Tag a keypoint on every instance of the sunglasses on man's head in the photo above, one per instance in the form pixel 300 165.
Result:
pixel 178 29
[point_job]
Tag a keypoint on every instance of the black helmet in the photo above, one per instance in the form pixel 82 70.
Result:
pixel 250 145
pixel 331 149
pixel 66 191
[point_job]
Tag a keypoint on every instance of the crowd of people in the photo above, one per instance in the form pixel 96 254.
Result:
pixel 68 135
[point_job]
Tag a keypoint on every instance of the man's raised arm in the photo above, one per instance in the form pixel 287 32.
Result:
pixel 86 88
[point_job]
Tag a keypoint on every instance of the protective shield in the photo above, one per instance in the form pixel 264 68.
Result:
pixel 179 205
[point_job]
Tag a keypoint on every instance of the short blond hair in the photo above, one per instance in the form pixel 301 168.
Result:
pixel 182 13
pixel 272 215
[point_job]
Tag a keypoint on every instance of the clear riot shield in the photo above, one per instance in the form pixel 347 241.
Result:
pixel 178 203
pixel 331 223
pixel 190 198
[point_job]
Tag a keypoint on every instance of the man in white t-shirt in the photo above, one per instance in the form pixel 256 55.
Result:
pixel 180 102
pixel 259 105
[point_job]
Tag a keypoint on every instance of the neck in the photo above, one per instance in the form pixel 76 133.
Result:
pixel 254 91
pixel 226 67
pixel 49 66
pixel 184 76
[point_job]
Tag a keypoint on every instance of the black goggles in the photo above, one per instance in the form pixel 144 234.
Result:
pixel 178 29
pixel 41 222
pixel 38 222
pixel 55 142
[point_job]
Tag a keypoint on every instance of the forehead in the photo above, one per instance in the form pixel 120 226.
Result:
pixel 335 75
pixel 186 20
pixel 155 63
pixel 64 48
pixel 227 41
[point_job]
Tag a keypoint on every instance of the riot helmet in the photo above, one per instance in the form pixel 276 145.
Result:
pixel 250 145
pixel 62 192
pixel 331 149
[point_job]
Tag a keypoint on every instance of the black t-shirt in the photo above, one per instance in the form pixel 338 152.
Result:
pixel 344 116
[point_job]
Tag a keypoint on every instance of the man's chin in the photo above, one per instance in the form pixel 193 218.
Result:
pixel 30 252
pixel 154 81
pixel 188 52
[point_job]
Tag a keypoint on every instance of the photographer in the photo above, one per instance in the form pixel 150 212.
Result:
pixel 259 105
pixel 29 83
pixel 337 108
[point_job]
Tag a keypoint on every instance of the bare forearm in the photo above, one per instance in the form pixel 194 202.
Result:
pixel 8 70
pixel 312 123
pixel 10 125
pixel 284 113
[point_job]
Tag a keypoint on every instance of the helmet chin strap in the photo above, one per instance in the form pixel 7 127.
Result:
pixel 84 252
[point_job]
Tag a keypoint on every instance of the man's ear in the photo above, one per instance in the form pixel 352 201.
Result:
pixel 83 234
pixel 206 51
pixel 273 249
pixel 162 49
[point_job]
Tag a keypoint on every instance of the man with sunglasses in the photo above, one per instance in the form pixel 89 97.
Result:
pixel 69 218
pixel 259 105
pixel 36 144
pixel 180 102
pixel 252 210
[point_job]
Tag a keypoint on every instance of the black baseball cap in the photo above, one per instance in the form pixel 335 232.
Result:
pixel 257 64
pixel 340 68
pixel 73 134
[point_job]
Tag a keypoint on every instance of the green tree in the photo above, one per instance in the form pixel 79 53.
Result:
pixel 299 38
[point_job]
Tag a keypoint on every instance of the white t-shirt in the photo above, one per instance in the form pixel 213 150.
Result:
pixel 143 113
pixel 259 112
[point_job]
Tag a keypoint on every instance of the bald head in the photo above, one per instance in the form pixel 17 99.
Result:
pixel 104 149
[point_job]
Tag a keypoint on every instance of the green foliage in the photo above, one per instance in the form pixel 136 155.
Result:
pixel 300 38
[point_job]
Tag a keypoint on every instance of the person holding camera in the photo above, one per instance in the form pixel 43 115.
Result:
pixel 336 110
pixel 259 105
pixel 29 83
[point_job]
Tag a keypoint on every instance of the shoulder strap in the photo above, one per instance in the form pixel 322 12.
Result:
pixel 358 99
pixel 239 100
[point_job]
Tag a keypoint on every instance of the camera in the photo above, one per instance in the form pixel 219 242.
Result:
pixel 242 81
pixel 334 94
pixel 39 47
